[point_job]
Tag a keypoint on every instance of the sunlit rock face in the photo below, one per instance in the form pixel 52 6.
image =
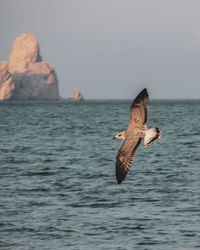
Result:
pixel 7 85
pixel 25 51
pixel 25 76
pixel 77 96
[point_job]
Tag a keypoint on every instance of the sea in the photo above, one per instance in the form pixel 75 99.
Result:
pixel 58 188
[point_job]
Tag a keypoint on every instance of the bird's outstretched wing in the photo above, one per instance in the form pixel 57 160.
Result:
pixel 139 109
pixel 125 157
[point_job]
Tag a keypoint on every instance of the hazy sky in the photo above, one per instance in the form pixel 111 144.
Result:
pixel 112 48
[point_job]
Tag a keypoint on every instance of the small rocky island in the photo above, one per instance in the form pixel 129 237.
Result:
pixel 25 76
pixel 77 96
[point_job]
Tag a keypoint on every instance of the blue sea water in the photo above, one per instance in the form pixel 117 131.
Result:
pixel 57 177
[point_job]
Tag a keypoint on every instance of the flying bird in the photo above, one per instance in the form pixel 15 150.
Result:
pixel 136 132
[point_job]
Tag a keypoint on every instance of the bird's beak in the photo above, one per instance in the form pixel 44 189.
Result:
pixel 114 137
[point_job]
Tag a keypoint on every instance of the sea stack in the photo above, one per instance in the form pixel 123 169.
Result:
pixel 25 76
pixel 77 96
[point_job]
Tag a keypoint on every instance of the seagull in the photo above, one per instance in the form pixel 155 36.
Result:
pixel 136 132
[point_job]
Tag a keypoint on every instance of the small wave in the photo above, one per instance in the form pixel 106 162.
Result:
pixel 48 160
pixel 148 243
pixel 42 173
pixel 19 229
pixel 139 227
pixel 38 204
pixel 39 189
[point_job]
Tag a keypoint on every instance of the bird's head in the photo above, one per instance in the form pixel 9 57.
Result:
pixel 121 135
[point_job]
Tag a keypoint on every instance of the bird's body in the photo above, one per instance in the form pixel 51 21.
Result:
pixel 137 130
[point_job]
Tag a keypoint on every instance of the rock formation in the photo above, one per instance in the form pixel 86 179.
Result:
pixel 7 85
pixel 25 76
pixel 77 96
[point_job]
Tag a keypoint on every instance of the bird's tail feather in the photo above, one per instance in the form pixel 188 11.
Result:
pixel 152 135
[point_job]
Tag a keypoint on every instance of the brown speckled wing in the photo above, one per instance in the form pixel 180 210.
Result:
pixel 139 109
pixel 125 157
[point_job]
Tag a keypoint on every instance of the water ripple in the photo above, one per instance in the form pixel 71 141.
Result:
pixel 58 187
